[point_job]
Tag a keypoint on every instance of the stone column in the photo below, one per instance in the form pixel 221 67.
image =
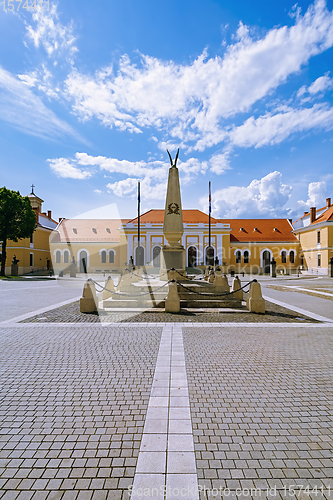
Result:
pixel 173 229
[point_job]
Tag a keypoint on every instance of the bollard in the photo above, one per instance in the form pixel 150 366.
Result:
pixel 221 283
pixel 126 281
pixel 110 286
pixel 172 274
pixel 255 302
pixel 89 300
pixel 172 302
pixel 211 277
pixel 236 285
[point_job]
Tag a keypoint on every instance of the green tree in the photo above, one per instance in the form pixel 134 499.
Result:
pixel 17 220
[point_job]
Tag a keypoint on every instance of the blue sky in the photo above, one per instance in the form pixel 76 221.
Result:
pixel 93 93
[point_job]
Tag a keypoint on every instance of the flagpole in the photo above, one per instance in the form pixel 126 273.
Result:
pixel 139 255
pixel 209 219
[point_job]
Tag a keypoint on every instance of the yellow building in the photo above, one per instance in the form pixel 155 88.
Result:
pixel 33 253
pixel 314 231
pixel 97 245
pixel 239 245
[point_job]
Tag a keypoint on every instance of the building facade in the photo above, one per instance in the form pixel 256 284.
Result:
pixel 33 253
pixel 239 245
pixel 314 231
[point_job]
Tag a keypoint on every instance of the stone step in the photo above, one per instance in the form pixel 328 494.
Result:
pixel 192 304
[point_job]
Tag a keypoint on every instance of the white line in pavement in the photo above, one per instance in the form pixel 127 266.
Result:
pixel 309 290
pixel 162 325
pixel 13 321
pixel 166 465
pixel 299 310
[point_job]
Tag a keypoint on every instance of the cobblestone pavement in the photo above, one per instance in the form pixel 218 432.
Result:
pixel 262 408
pixel 73 405
pixel 71 314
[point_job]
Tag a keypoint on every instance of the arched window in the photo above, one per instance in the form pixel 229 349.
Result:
pixel 319 260
pixel 210 256
pixel 58 257
pixel 157 256
pixel 66 257
pixel 238 257
pixel 302 260
pixel 292 257
pixel 103 257
pixel 192 256
pixel 283 257
pixel 246 257
pixel 139 256
pixel 111 257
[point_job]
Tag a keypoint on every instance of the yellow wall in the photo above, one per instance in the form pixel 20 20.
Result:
pixel 22 249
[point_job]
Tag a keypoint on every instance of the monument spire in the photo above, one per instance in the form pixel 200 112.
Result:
pixel 173 228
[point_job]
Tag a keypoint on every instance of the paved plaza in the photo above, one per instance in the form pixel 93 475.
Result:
pixel 175 410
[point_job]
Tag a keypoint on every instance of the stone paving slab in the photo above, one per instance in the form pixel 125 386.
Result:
pixel 71 314
pixel 262 410
pixel 73 405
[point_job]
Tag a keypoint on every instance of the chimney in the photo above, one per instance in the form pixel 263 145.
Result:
pixel 305 213
pixel 49 214
pixel 328 202
pixel 60 219
pixel 312 214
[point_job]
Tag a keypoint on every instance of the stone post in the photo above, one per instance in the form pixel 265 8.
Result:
pixel 172 302
pixel 72 269
pixel 221 283
pixel 89 300
pixel 330 268
pixel 255 302
pixel 236 285
pixel 273 268
pixel 110 286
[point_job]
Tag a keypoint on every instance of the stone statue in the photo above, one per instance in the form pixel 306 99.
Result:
pixel 173 165
pixel 15 260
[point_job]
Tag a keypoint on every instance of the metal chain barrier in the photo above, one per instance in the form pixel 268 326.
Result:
pixel 218 294
pixel 123 294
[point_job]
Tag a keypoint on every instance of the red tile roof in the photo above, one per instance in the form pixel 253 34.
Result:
pixel 265 230
pixel 75 230
pixel 189 217
pixel 325 216
pixel 265 227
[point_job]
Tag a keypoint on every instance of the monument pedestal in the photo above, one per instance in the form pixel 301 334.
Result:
pixel 14 270
pixel 173 257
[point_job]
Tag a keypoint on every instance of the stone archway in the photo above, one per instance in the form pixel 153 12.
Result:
pixel 83 261
pixel 192 256
pixel 157 256
pixel 210 256
pixel 266 262
pixel 139 256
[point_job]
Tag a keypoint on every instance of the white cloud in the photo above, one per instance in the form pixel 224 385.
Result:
pixel 220 162
pixel 63 168
pixel 265 198
pixel 42 80
pixel 317 193
pixel 274 128
pixel 152 174
pixel 322 84
pixel 49 33
pixel 319 86
pixel 192 101
pixel 24 110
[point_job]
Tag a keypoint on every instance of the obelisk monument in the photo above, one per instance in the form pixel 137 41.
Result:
pixel 173 229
